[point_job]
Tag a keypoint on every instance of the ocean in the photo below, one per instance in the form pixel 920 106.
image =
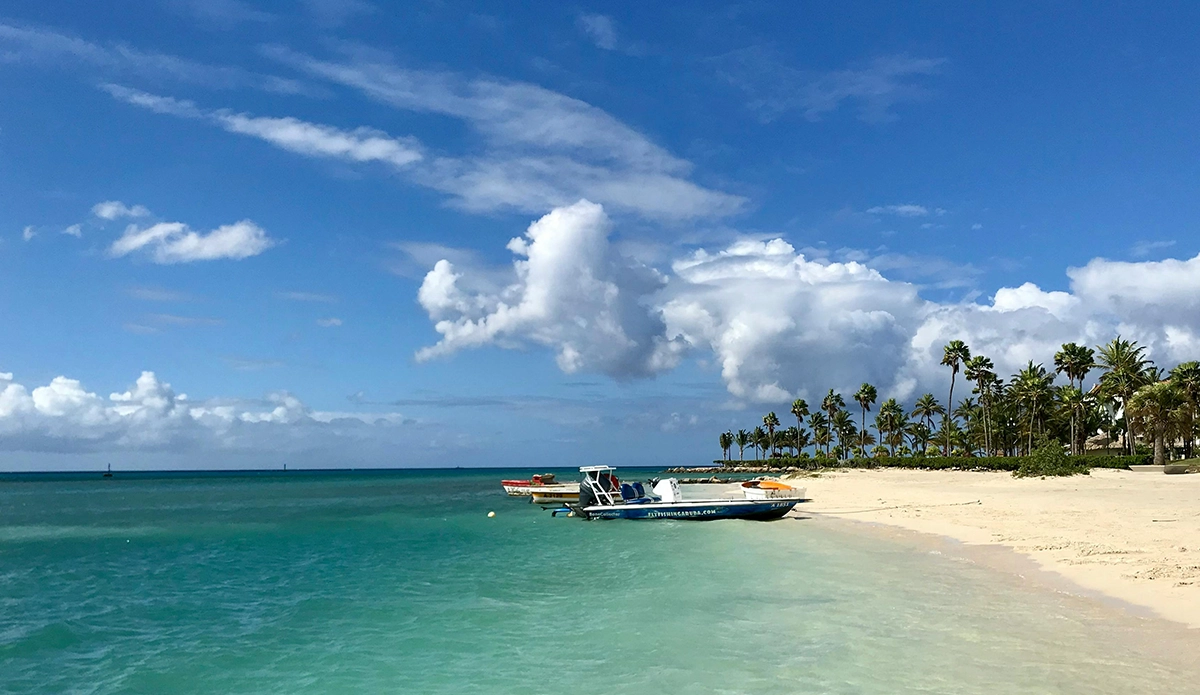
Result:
pixel 399 582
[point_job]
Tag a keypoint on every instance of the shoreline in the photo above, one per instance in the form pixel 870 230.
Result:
pixel 1129 539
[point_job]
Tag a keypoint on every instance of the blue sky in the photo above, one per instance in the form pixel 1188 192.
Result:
pixel 299 214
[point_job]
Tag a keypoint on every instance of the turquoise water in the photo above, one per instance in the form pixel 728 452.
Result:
pixel 400 583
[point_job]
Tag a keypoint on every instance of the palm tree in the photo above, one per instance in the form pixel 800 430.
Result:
pixel 889 422
pixel 1073 401
pixel 771 421
pixel 820 427
pixel 919 433
pixel 864 440
pixel 1032 388
pixel 831 403
pixel 742 439
pixel 865 397
pixel 842 423
pixel 1125 366
pixel 1186 377
pixel 1155 408
pixel 1075 361
pixel 979 369
pixel 760 441
pixel 925 409
pixel 953 354
pixel 800 410
pixel 726 441
pixel 970 413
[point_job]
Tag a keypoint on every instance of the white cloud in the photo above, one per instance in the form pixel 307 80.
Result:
pixel 46 47
pixel 114 209
pixel 600 29
pixel 294 135
pixel 976 227
pixel 331 322
pixel 541 149
pixel 776 87
pixel 1142 249
pixel 358 145
pixel 64 416
pixel 546 150
pixel 780 324
pixel 906 210
pixel 570 292
pixel 75 230
pixel 175 242
pixel 29 233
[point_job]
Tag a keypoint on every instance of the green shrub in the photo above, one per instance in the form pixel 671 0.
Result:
pixel 1049 459
pixel 1080 464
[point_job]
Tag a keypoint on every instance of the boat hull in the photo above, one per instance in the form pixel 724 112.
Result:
pixel 555 498
pixel 698 510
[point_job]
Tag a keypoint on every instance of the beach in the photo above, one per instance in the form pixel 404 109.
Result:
pixel 1134 537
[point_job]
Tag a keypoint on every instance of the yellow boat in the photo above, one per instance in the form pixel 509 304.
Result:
pixel 554 495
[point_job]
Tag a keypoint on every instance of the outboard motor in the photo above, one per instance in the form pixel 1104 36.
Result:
pixel 587 497
pixel 668 490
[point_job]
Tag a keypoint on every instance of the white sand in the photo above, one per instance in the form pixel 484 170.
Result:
pixel 1131 536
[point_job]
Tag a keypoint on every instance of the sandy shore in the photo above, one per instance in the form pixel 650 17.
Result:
pixel 1130 536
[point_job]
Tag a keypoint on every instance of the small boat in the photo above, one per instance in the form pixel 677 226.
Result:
pixel 554 495
pixel 520 488
pixel 108 473
pixel 603 496
pixel 771 490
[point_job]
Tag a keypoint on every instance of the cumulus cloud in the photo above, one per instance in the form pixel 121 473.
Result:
pixel 75 230
pixel 906 210
pixel 29 233
pixel 570 292
pixel 331 322
pixel 780 324
pixel 175 242
pixel 63 415
pixel 115 209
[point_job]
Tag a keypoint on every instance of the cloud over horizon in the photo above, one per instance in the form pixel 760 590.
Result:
pixel 63 416
pixel 780 325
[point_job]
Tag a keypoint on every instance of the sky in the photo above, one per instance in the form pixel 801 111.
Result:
pixel 336 233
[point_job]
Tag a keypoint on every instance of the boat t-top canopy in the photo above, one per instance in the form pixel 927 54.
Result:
pixel 596 469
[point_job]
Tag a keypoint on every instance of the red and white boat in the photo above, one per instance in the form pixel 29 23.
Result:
pixel 521 488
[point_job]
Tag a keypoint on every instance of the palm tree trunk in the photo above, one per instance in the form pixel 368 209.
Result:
pixel 1159 448
pixel 946 417
pixel 1128 425
pixel 1029 447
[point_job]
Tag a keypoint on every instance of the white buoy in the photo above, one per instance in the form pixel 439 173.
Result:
pixel 491 514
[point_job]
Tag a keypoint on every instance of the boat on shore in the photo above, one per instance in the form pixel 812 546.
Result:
pixel 603 496
pixel 771 490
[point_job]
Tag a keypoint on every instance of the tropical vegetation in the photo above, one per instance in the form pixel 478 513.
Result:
pixel 1140 407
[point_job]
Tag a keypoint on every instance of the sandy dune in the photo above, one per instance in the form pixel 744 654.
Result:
pixel 1132 536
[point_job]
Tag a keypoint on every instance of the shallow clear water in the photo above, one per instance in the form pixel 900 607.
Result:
pixel 400 583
